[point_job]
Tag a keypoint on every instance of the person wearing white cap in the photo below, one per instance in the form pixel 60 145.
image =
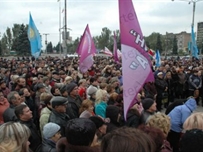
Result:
pixel 51 134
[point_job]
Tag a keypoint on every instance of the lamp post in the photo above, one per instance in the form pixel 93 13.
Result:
pixel 193 12
pixel 59 27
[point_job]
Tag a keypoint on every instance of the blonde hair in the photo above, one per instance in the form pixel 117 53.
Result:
pixel 194 121
pixel 14 137
pixel 85 105
pixel 160 121
pixel 68 79
pixel 100 95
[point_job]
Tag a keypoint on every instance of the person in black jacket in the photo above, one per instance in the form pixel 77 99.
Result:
pixel 24 115
pixel 133 117
pixel 51 134
pixel 58 114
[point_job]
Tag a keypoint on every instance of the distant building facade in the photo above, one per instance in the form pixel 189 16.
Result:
pixel 182 40
pixel 199 33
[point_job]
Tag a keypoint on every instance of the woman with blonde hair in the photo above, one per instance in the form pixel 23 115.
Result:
pixel 194 121
pixel 86 109
pixel 101 103
pixel 14 137
pixel 160 121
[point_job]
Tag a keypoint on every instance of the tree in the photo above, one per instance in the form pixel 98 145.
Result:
pixel 175 46
pixel 1 53
pixel 73 46
pixel 23 44
pixel 151 40
pixel 49 48
pixel 159 43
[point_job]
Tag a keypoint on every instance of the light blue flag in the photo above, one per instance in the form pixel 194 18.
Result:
pixel 194 48
pixel 158 59
pixel 34 38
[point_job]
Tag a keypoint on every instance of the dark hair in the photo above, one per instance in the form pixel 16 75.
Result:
pixel 156 135
pixel 192 141
pixel 127 139
pixel 80 132
pixel 19 110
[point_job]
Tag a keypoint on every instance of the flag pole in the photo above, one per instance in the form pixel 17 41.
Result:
pixel 59 27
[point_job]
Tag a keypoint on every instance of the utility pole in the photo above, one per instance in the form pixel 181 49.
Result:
pixel 46 41
pixel 65 29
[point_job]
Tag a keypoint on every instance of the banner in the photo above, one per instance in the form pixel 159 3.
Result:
pixel 136 64
pixel 115 52
pixel 34 38
pixel 158 59
pixel 86 50
pixel 194 48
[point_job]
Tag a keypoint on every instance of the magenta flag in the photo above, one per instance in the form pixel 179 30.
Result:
pixel 78 51
pixel 115 53
pixel 136 64
pixel 86 50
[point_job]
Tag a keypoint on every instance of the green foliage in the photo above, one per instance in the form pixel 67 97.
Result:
pixel 159 43
pixel 175 46
pixel 1 53
pixel 21 43
pixel 73 46
pixel 49 48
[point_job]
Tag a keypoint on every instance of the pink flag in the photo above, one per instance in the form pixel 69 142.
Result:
pixel 107 51
pixel 86 50
pixel 115 53
pixel 136 64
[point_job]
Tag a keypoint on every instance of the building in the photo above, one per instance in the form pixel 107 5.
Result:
pixel 199 34
pixel 182 40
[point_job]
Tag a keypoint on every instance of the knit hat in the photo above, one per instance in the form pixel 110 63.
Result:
pixel 50 129
pixel 97 121
pixel 70 87
pixel 112 112
pixel 147 103
pixel 57 101
pixel 91 90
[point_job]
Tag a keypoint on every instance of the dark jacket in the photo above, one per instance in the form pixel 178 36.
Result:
pixel 160 86
pixel 63 146
pixel 59 118
pixel 145 115
pixel 133 118
pixel 48 146
pixel 73 106
pixel 35 138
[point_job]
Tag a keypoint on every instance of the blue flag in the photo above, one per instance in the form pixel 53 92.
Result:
pixel 158 59
pixel 194 46
pixel 34 38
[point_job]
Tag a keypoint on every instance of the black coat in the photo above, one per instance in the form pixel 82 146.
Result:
pixel 60 119
pixel 133 118
pixel 48 146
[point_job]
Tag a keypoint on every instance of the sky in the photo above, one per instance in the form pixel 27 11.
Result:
pixel 154 16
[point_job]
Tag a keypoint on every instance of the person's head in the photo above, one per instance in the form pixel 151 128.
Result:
pixel 46 80
pixel 80 132
pixel 14 98
pixel 72 89
pixel 41 87
pixel 64 91
pixel 127 139
pixel 92 92
pixel 59 104
pixel 82 83
pixel 21 81
pixel 25 92
pixel 93 81
pixel 192 141
pixel 160 75
pixel 55 75
pixel 156 135
pixel 51 131
pixel 113 112
pixel 68 79
pixel 86 105
pixel 14 137
pixel 103 86
pixel 149 104
pixel 23 112
pixel 101 95
pixel 100 125
pixel 194 121
pixel 168 75
pixel 160 121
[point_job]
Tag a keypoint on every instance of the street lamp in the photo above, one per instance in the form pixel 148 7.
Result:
pixel 193 12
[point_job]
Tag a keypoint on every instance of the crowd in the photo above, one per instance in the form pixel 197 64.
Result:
pixel 47 105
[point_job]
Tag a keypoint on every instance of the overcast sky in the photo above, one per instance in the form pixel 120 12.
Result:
pixel 154 15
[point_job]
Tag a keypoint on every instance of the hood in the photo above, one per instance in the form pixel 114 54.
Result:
pixel 112 112
pixel 45 111
pixel 191 104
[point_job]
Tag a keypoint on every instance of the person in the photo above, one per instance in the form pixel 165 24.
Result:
pixel 24 116
pixel 14 137
pixel 4 104
pixel 87 109
pixel 58 114
pixel 149 106
pixel 74 101
pixel 127 139
pixel 194 121
pixel 177 117
pixel 80 133
pixel 51 134
pixel 101 103
pixel 191 141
